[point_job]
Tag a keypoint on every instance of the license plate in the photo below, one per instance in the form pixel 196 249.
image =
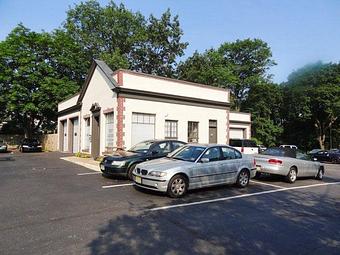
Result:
pixel 102 167
pixel 138 179
pixel 258 168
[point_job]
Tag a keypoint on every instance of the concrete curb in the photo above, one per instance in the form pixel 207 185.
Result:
pixel 87 165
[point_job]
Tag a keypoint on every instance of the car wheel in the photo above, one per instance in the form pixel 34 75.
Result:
pixel 178 186
pixel 292 175
pixel 130 170
pixel 319 176
pixel 243 178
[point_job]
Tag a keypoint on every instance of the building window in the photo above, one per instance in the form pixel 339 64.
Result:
pixel 192 132
pixel 109 127
pixel 171 129
pixel 87 136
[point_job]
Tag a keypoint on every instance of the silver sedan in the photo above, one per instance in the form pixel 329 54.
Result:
pixel 195 166
pixel 289 163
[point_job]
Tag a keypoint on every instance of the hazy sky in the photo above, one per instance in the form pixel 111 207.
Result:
pixel 298 31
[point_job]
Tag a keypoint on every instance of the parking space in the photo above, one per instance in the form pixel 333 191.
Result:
pixel 51 206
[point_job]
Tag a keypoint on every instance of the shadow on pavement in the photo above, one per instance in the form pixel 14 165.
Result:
pixel 284 223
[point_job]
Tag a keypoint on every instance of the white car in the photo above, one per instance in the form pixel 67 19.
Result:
pixel 245 146
pixel 290 146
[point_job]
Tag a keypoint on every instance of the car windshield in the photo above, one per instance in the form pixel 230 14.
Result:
pixel 30 141
pixel 188 153
pixel 235 143
pixel 142 147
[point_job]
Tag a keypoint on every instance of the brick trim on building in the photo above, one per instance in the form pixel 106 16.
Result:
pixel 120 122
pixel 228 128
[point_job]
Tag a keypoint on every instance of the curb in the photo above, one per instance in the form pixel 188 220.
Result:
pixel 89 166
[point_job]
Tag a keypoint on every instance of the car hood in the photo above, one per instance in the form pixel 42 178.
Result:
pixel 164 164
pixel 123 155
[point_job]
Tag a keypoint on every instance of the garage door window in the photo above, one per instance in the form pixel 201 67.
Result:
pixel 171 129
pixel 109 131
pixel 143 127
pixel 192 132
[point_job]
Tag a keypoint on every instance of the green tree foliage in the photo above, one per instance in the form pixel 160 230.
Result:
pixel 238 65
pixel 125 39
pixel 312 96
pixel 32 79
pixel 264 101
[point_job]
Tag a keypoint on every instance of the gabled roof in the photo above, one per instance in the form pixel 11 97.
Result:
pixel 107 72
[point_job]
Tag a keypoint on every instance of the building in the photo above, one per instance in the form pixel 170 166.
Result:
pixel 115 110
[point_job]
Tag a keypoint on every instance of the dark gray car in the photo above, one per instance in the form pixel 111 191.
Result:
pixel 3 146
pixel 195 166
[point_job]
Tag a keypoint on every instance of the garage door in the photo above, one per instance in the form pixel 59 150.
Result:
pixel 236 133
pixel 143 127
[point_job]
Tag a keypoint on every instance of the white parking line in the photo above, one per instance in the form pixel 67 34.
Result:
pixel 89 173
pixel 267 184
pixel 117 185
pixel 241 196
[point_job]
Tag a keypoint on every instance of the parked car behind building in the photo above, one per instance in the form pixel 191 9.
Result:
pixel 332 156
pixel 245 146
pixel 195 166
pixel 288 162
pixel 122 163
pixel 28 144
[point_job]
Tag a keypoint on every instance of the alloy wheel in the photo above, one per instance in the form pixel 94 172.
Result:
pixel 243 178
pixel 178 187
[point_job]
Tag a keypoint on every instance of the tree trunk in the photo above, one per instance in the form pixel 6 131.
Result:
pixel 321 134
pixel 321 140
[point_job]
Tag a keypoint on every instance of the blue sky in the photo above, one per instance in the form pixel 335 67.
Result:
pixel 298 31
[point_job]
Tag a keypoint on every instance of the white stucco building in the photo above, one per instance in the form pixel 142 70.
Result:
pixel 115 110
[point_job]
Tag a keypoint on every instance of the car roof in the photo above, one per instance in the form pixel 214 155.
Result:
pixel 162 140
pixel 209 145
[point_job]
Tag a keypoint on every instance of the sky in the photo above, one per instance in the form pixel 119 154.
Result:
pixel 298 31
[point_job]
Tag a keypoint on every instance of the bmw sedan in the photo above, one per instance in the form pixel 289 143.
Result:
pixel 287 162
pixel 195 166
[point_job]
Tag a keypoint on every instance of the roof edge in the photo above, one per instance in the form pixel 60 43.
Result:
pixel 171 79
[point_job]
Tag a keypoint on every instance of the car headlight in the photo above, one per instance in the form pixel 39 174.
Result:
pixel 118 163
pixel 157 173
pixel 25 146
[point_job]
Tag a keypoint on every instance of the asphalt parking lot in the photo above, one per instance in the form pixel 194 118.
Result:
pixel 51 206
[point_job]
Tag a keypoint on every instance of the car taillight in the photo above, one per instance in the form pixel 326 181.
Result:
pixel 254 162
pixel 242 149
pixel 275 161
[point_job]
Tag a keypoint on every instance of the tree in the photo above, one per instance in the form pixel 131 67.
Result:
pixel 238 65
pixel 325 105
pixel 125 39
pixel 313 94
pixel 30 81
pixel 264 101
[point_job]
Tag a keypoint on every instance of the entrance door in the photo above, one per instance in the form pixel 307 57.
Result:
pixel 65 135
pixel 212 131
pixel 75 140
pixel 95 145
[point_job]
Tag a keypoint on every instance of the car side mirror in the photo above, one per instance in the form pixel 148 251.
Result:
pixel 204 160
